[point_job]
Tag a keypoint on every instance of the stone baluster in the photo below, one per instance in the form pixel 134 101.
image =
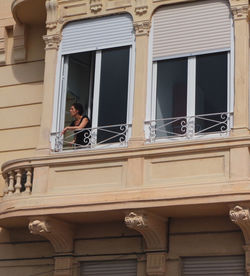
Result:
pixel 18 185
pixel 6 178
pixel 11 183
pixel 28 183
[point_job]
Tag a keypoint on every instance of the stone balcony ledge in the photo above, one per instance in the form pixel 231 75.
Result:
pixel 29 11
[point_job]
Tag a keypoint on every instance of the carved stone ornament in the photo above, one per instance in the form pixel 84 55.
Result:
pixel 240 12
pixel 59 233
pixel 152 228
pixel 95 6
pixel 51 7
pixel 142 27
pixel 241 217
pixel 141 10
pixel 38 227
pixel 141 7
pixel 52 41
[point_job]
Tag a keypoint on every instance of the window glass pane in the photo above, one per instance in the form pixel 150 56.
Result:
pixel 211 92
pixel 171 96
pixel 79 83
pixel 113 94
pixel 79 89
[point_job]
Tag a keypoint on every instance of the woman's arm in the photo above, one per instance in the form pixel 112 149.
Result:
pixel 81 126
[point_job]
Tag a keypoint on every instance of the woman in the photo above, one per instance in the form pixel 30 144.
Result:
pixel 80 122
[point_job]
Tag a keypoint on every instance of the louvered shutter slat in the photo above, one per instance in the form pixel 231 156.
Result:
pixel 191 28
pixel 214 266
pixel 109 268
pixel 96 34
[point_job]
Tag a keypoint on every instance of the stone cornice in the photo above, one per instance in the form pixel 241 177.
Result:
pixel 152 228
pixel 59 233
pixel 241 217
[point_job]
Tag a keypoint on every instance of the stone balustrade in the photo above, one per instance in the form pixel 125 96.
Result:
pixel 18 181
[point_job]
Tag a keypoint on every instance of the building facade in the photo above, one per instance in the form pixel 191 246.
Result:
pixel 160 183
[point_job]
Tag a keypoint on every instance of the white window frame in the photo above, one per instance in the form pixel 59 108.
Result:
pixel 60 93
pixel 191 75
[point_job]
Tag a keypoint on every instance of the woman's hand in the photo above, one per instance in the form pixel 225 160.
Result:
pixel 65 129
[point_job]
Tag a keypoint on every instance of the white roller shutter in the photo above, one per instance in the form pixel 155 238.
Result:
pixel 214 266
pixel 109 268
pixel 191 28
pixel 96 34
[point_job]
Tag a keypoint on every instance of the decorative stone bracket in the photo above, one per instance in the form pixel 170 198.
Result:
pixel 241 217
pixel 152 228
pixel 154 231
pixel 59 233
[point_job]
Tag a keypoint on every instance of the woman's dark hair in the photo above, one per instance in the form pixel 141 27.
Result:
pixel 78 107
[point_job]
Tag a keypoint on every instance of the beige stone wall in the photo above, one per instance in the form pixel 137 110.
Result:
pixel 24 254
pixel 21 91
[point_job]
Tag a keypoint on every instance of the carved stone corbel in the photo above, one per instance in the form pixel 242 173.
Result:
pixel 51 7
pixel 19 48
pixel 142 27
pixel 59 233
pixel 52 41
pixel 152 228
pixel 241 217
pixel 154 231
pixel 3 37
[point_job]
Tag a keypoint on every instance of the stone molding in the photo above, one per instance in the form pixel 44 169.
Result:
pixel 59 233
pixel 52 41
pixel 241 217
pixel 95 6
pixel 3 37
pixel 152 228
pixel 19 48
pixel 142 27
pixel 51 7
pixel 240 12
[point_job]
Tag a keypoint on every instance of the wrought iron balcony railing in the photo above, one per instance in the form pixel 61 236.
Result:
pixel 189 127
pixel 96 137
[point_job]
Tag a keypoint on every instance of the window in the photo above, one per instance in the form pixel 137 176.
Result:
pixel 221 265
pixel 109 268
pixel 97 71
pixel 191 73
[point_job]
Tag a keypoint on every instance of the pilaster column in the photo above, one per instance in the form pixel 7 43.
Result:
pixel 142 29
pixel 52 40
pixel 241 216
pixel 60 235
pixel 241 66
pixel 153 230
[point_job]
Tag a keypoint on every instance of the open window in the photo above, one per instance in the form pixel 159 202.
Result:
pixel 192 54
pixel 96 70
